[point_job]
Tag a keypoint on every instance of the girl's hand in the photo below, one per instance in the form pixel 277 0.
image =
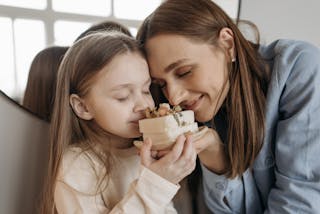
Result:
pixel 211 152
pixel 179 162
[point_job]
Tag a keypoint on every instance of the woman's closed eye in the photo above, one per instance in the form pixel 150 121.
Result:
pixel 184 71
pixel 183 74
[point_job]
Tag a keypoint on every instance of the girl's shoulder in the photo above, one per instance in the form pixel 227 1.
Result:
pixel 80 170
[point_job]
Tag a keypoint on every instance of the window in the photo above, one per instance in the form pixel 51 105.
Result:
pixel 27 44
pixel 65 32
pixel 29 26
pixel 7 74
pixel 34 4
pixel 123 8
pixel 92 7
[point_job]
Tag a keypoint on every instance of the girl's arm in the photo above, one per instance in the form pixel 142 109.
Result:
pixel 148 194
pixel 152 192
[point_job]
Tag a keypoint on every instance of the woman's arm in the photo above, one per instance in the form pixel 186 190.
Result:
pixel 211 152
pixel 297 138
pixel 222 195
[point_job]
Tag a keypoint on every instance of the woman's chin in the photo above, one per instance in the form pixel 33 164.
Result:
pixel 203 117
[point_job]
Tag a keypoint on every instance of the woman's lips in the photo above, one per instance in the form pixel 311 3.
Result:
pixel 194 104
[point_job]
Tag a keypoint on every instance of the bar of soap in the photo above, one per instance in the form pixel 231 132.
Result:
pixel 163 130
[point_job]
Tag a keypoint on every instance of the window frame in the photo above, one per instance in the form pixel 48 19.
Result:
pixel 49 17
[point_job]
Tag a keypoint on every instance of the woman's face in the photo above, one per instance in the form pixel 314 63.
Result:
pixel 191 74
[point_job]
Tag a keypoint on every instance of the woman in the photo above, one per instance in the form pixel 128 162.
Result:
pixel 262 103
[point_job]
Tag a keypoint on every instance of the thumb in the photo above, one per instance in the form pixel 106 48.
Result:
pixel 145 153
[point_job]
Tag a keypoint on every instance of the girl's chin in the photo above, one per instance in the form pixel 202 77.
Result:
pixel 135 135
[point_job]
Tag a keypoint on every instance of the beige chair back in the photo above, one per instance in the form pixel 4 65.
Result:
pixel 23 157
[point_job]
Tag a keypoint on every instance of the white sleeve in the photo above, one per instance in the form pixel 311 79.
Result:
pixel 150 193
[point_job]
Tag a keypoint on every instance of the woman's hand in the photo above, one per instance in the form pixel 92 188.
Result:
pixel 176 164
pixel 211 152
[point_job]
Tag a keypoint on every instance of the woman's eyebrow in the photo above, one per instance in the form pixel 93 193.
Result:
pixel 174 65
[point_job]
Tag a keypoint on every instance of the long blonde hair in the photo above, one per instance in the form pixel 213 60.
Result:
pixel 202 21
pixel 82 62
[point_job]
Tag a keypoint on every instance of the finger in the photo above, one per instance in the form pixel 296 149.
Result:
pixel 162 153
pixel 189 153
pixel 154 154
pixel 176 151
pixel 187 161
pixel 145 152
pixel 202 142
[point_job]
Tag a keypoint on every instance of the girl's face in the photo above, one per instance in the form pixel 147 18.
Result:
pixel 119 95
pixel 193 75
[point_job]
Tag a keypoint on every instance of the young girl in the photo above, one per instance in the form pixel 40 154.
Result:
pixel 102 91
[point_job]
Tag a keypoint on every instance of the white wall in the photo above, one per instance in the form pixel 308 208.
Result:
pixel 294 19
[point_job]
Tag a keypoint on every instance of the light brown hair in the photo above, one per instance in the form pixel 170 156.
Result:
pixel 82 62
pixel 40 90
pixel 105 26
pixel 201 21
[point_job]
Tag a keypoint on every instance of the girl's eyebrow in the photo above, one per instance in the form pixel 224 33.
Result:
pixel 174 64
pixel 119 87
pixel 128 85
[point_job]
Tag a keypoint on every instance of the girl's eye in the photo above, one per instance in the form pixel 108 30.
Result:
pixel 146 92
pixel 122 99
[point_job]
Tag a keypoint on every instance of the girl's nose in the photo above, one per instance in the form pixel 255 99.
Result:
pixel 143 102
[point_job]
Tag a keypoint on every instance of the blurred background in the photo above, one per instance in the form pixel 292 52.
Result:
pixel 29 26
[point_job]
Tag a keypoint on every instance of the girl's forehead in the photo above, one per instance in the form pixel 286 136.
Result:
pixel 124 69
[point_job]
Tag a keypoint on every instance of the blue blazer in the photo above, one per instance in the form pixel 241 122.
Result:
pixel 286 174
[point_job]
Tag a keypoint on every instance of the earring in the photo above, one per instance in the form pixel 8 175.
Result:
pixel 233 59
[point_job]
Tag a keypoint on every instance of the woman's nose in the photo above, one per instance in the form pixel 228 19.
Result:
pixel 176 94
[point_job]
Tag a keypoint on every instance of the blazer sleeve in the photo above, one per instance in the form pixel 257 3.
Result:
pixel 297 139
pixel 296 145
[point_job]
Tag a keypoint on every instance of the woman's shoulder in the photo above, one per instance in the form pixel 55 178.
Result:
pixel 289 49
pixel 292 59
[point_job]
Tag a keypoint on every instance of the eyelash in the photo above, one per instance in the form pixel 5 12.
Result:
pixel 162 86
pixel 123 99
pixel 184 74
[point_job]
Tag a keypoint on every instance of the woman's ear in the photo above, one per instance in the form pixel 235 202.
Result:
pixel 227 41
pixel 79 107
